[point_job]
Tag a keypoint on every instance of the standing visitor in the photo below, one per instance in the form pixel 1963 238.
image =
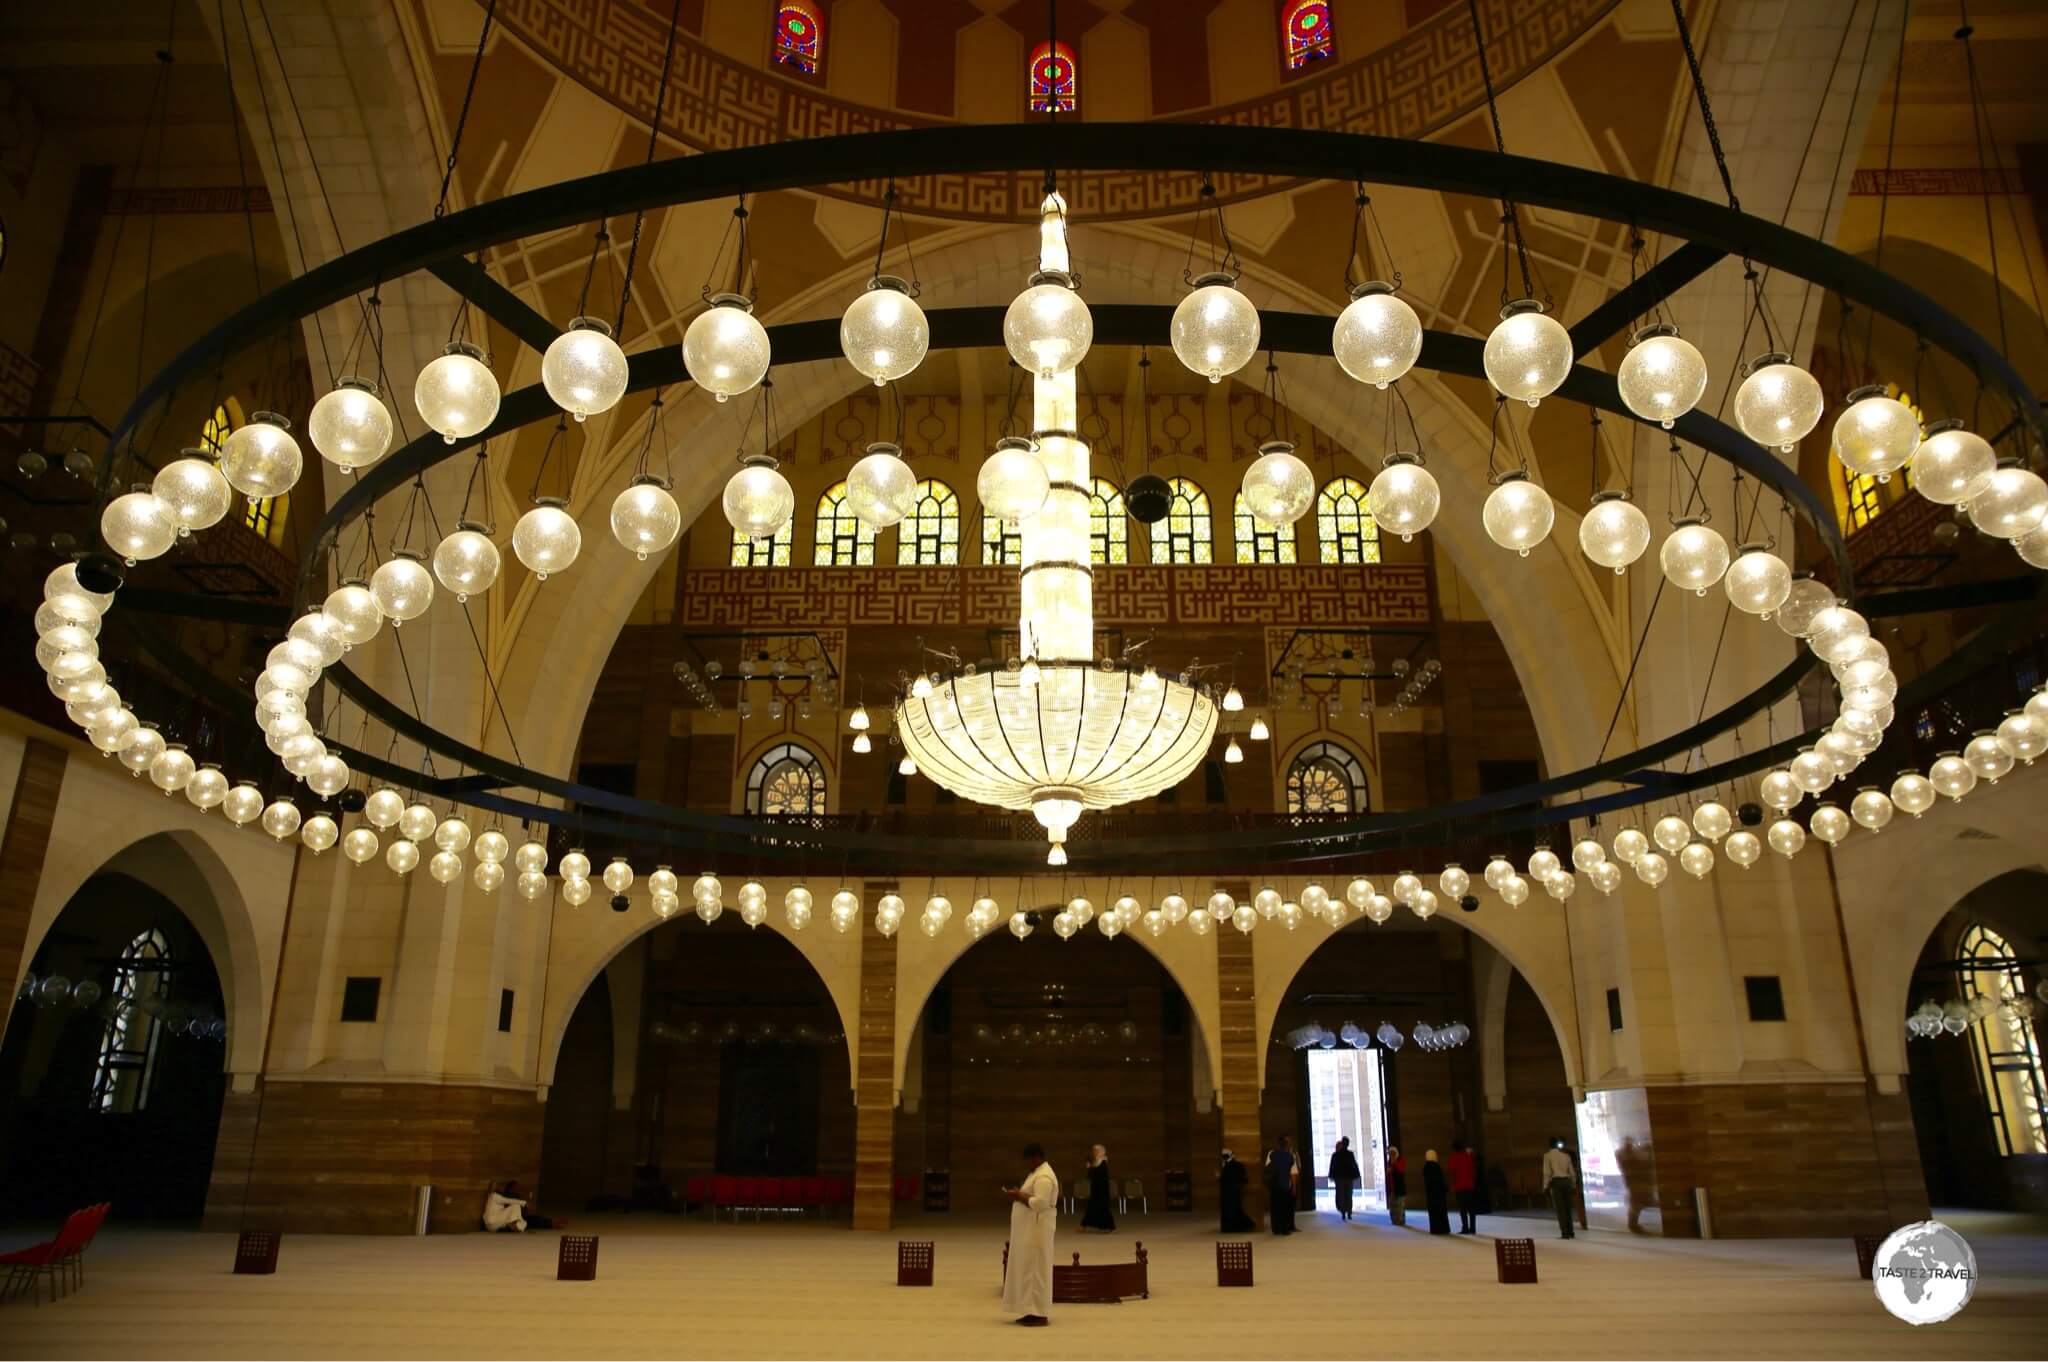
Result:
pixel 1097 1216
pixel 1436 1191
pixel 1281 1174
pixel 1343 1173
pixel 1464 1174
pixel 1027 1279
pixel 1397 1186
pixel 1230 1184
pixel 1557 1175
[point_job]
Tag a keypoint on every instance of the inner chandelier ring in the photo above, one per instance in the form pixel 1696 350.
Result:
pixel 1710 233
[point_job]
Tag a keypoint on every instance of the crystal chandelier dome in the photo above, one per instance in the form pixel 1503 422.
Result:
pixel 1663 375
pixel 1278 486
pixel 726 348
pixel 1013 483
pixel 457 394
pixel 645 517
pixel 884 333
pixel 758 499
pixel 1528 354
pixel 193 487
pixel 1378 337
pixel 1778 402
pixel 262 460
pixel 1404 496
pixel 1215 329
pixel 881 489
pixel 350 426
pixel 1614 532
pixel 1518 514
pixel 1876 434
pixel 584 370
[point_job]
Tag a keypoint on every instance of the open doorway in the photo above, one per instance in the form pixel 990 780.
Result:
pixel 1347 1097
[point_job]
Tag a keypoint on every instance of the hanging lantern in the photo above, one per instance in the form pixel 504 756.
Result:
pixel 2012 502
pixel 1278 487
pixel 360 845
pixel 1871 808
pixel 206 789
pixel 1711 820
pixel 1518 513
pixel 618 876
pixel 1987 758
pixel 489 876
pixel 1614 532
pixel 417 823
pixel 796 908
pixel 1696 859
pixel 63 592
pixel 1663 375
pixel 172 769
pixel 1835 633
pixel 725 349
pixel 138 524
pixel 456 394
pixel 1606 876
pixel 584 370
pixel 2021 737
pixel 1758 581
pixel 1693 556
pixel 2032 547
pixel 243 804
pixel 758 499
pixel 192 487
pixel 1528 354
pixel 1215 329
pixel 467 562
pixel 1652 869
pixel 1829 824
pixel 530 856
pixel 547 538
pixel 1780 791
pixel 1244 919
pixel 452 834
pixel 1404 496
pixel 445 867
pixel 1778 402
pixel 142 750
pixel 354 612
pixel 1048 328
pixel 1913 792
pixel 318 833
pixel 1812 771
pixel 1671 833
pixel 402 587
pixel 1803 602
pixel 492 847
pixel 1587 853
pixel 1012 484
pixel 1875 434
pixel 576 892
pixel 317 630
pixel 1743 848
pixel 350 426
pixel 261 460
pixel 281 819
pixel 880 488
pixel 1514 892
pixel 884 333
pixel 1786 838
pixel 329 776
pixel 1378 337
pixel 1629 845
pixel 1952 465
pixel 1200 922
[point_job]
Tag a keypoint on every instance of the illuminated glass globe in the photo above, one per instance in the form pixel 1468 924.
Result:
pixel 618 875
pixel 172 769
pixel 1404 496
pixel 1278 487
pixel 1514 892
pixel 1743 848
pixel 403 856
pixel 1215 329
pixel 281 819
pixel 318 631
pixel 1780 791
pixel 531 884
pixel 530 856
pixel 319 833
pixel 1829 824
pixel 2014 501
pixel 1876 434
pixel 195 491
pixel 1712 820
pixel 492 847
pixel 725 349
pixel 452 834
pixel 584 370
pixel 1652 869
pixel 1871 808
pixel 1614 532
pixel 645 517
pixel 1587 853
pixel 1812 771
pixel 575 866
pixel 1758 581
pixel 351 426
pixel 880 488
pixel 1987 758
pixel 1528 354
pixel 796 908
pixel 1952 465
pixel 1836 632
pixel 576 893
pixel 1663 375
pixel 1778 402
pixel 1606 876
pixel 445 867
pixel 138 525
pixel 2022 737
pixel 207 788
pixel 1013 483
pixel 384 808
pixel 261 460
pixel 467 562
pixel 1200 922
pixel 1518 514
pixel 143 749
pixel 1629 845
pixel 329 776
pixel 62 591
pixel 1048 328
pixel 1693 556
pixel 758 499
pixel 1696 859
pixel 360 846
pixel 1244 919
pixel 1454 882
pixel 1671 833
pixel 1378 336
pixel 547 538
pixel 402 587
pixel 1496 873
pixel 2032 547
pixel 1913 793
pixel 457 394
pixel 1786 838
pixel 243 804
pixel 1804 601
pixel 884 333
pixel 354 612
pixel 488 876
pixel 418 822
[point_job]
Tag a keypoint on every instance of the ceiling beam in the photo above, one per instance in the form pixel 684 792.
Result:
pixel 1653 286
pixel 495 301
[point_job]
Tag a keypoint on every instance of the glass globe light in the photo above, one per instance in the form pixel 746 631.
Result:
pixel 360 845
pixel 1222 905
pixel 1404 496
pixel 1875 434
pixel 1013 483
pixel 318 631
pixel 1048 328
pixel 1806 599
pixel 1629 845
pixel 1315 900
pixel 1812 770
pixel 1514 891
pixel 884 333
pixel 1987 757
pixel 645 517
pixel 1711 820
pixel 1696 859
pixel 452 834
pixel 1454 882
pixel 1543 863
pixel 445 867
pixel 584 370
pixel 1278 487
pixel 88 685
pixel 1200 922
pixel 76 658
pixel 880 488
pixel 1780 791
pixel 195 491
pixel 1829 824
pixel 618 877
pixel 1693 556
pixel 92 713
pixel 758 499
pixel 492 846
pixel 725 349
pixel 1743 848
pixel 1671 833
pixel 1778 402
pixel 138 525
pixel 261 459
pixel 2037 706
pixel 457 394
pixel 243 804
pixel 350 426
pixel 1613 532
pixel 1496 873
pixel 1758 581
pixel 1606 876
pixel 2032 547
pixel 467 562
pixel 417 823
pixel 1266 902
pixel 1871 808
pixel 530 856
pixel 1663 375
pixel 354 612
pixel 2022 738
pixel 1587 853
pixel 547 538
pixel 384 808
pixel 402 587
pixel 796 908
pixel 1913 792
pixel 281 819
pixel 1786 837
pixel 1244 919
pixel 1528 354
pixel 142 750
pixel 62 592
pixel 1951 775
pixel 488 876
pixel 1518 513
pixel 318 833
pixel 402 856
pixel 172 769
pixel 2014 501
pixel 1836 633
pixel 1215 329
pixel 531 884
pixel 1378 336
pixel 576 892
pixel 1652 869
pixel 303 754
pixel 206 789
pixel 329 776
pixel 1952 465
pixel 575 866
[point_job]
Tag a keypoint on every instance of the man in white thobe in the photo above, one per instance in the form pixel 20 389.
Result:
pixel 1027 1285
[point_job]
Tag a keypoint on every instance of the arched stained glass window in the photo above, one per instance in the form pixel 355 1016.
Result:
pixel 1185 536
pixel 2004 1043
pixel 1002 542
pixel 1345 531
pixel 1052 78
pixel 127 1060
pixel 842 541
pixel 748 551
pixel 787 780
pixel 1256 543
pixel 1326 778
pixel 799 37
pixel 930 534
pixel 1306 36
pixel 1109 528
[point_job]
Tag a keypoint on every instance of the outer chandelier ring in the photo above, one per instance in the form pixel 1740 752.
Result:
pixel 1710 232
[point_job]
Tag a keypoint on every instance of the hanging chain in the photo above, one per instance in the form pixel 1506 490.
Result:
pixel 653 141
pixel 462 118
pixel 1510 220
pixel 1699 90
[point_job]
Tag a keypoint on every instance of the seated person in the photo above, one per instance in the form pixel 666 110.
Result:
pixel 506 1208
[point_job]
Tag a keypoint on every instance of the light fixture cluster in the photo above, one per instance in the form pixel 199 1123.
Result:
pixel 1315 1035
pixel 1932 1019
pixel 189 1021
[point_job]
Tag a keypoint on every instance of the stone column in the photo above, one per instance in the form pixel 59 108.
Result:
pixel 1238 1039
pixel 874 1084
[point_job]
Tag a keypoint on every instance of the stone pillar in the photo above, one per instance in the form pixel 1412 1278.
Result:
pixel 1238 1039
pixel 874 1084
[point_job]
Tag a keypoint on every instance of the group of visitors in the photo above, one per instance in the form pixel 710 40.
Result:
pixel 1453 1180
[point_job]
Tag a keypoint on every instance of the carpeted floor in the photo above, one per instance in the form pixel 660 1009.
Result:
pixel 670 1288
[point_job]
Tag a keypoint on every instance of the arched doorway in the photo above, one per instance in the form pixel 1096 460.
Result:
pixel 111 1074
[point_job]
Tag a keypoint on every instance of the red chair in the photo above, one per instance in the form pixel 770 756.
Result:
pixel 696 1191
pixel 792 1195
pixel 57 1257
pixel 724 1193
pixel 749 1197
pixel 813 1195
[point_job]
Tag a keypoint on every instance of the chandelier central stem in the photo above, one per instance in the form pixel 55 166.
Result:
pixel 1056 619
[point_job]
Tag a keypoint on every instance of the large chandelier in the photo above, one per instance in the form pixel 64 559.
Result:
pixel 1058 731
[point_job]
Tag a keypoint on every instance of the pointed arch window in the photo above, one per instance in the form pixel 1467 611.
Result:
pixel 127 1061
pixel 748 551
pixel 799 38
pixel 1256 543
pixel 1053 78
pixel 1306 34
pixel 842 541
pixel 1185 536
pixel 930 534
pixel 1002 542
pixel 2004 1043
pixel 786 781
pixel 1109 527
pixel 1345 530
pixel 1327 778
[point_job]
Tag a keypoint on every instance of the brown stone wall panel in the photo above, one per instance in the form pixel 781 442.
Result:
pixel 232 1146
pixel 874 1138
pixel 29 817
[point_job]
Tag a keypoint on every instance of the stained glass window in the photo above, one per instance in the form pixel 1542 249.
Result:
pixel 1109 529
pixel 788 779
pixel 1052 78
pixel 1184 536
pixel 2004 1043
pixel 1325 778
pixel 1256 543
pixel 1305 33
pixel 930 534
pixel 1002 542
pixel 1345 532
pixel 748 551
pixel 120 1083
pixel 842 540
pixel 799 38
